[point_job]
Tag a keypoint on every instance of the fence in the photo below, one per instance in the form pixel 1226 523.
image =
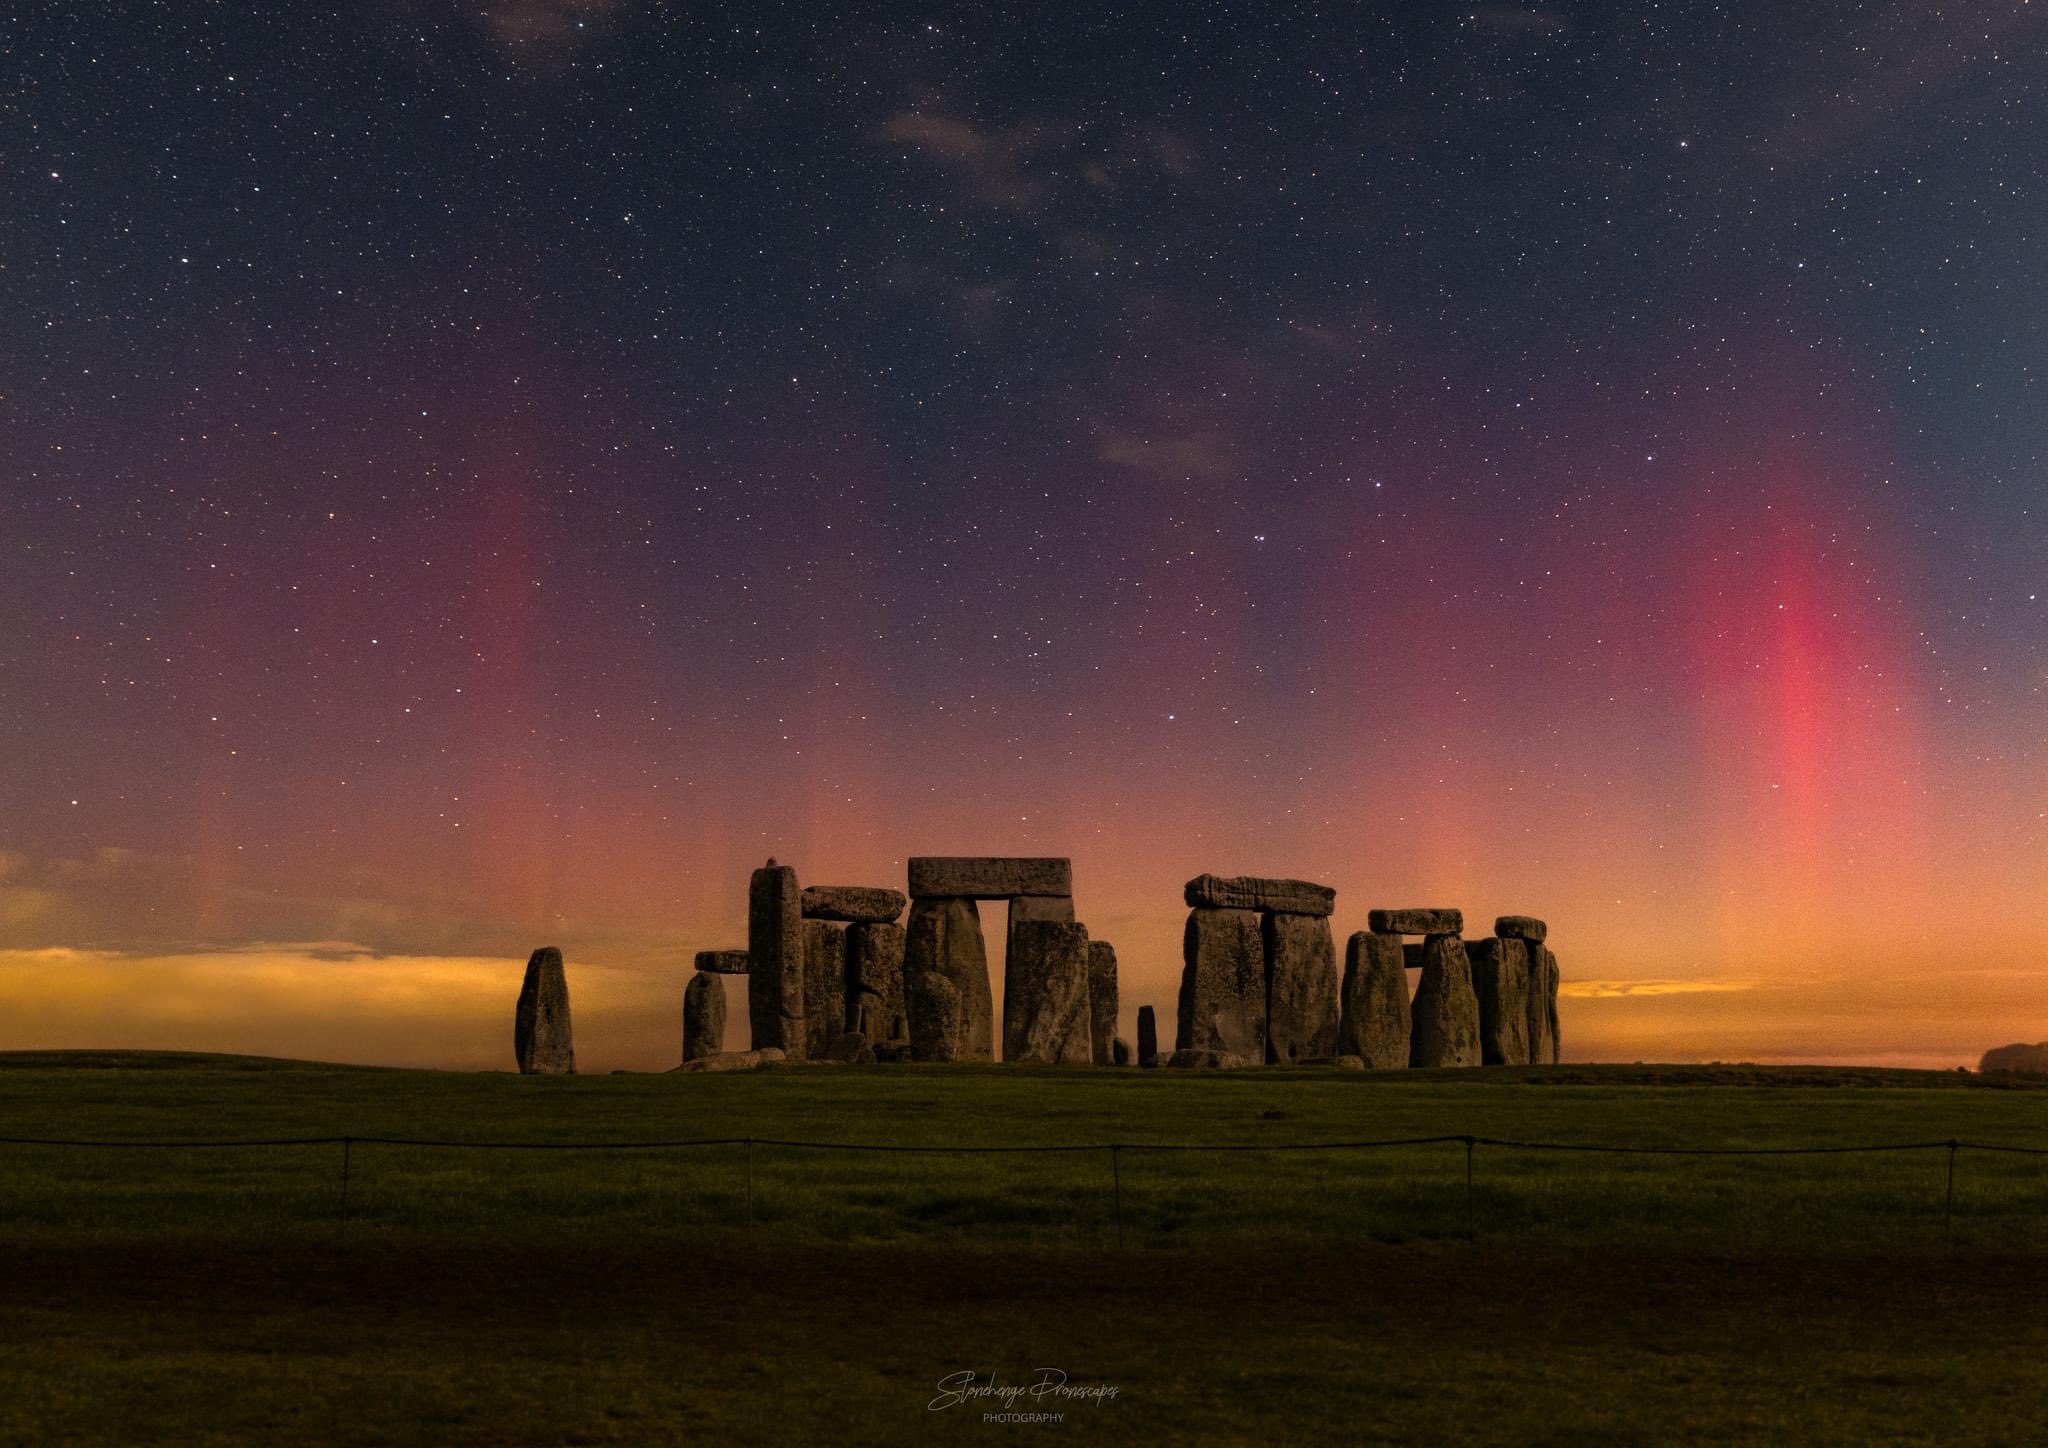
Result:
pixel 1114 1150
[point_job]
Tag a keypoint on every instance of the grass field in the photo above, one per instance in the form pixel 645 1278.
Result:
pixel 770 1293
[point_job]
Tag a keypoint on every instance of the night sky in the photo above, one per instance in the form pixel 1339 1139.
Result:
pixel 482 475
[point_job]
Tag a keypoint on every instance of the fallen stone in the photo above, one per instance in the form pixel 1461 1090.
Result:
pixel 1341 1063
pixel 2020 1057
pixel 1501 981
pixel 736 1060
pixel 722 962
pixel 1251 892
pixel 1102 1003
pixel 1301 987
pixel 1045 995
pixel 874 984
pixel 825 993
pixel 970 877
pixel 850 1047
pixel 703 1016
pixel 943 941
pixel 775 960
pixel 1223 984
pixel 1445 1024
pixel 541 1039
pixel 1191 1060
pixel 1373 1023
pixel 1148 1036
pixel 1119 1052
pixel 1415 922
pixel 853 904
pixel 1520 927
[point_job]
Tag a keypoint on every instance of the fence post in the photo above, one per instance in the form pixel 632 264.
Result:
pixel 347 1146
pixel 1948 1206
pixel 1116 1179
pixel 1471 1214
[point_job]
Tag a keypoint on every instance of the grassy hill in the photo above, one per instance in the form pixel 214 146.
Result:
pixel 757 1293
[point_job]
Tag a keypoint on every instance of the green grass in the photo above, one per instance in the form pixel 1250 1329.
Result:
pixel 784 1293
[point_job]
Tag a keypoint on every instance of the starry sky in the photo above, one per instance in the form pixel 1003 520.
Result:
pixel 477 475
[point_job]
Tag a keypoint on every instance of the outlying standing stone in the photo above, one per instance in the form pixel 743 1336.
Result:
pixel 1501 981
pixel 1045 994
pixel 1301 987
pixel 824 986
pixel 1102 1002
pixel 1223 984
pixel 874 984
pixel 853 904
pixel 1374 1021
pixel 703 1016
pixel 722 962
pixel 775 960
pixel 1446 1013
pixel 1251 892
pixel 943 942
pixel 541 1039
pixel 970 877
pixel 1416 922
pixel 1148 1036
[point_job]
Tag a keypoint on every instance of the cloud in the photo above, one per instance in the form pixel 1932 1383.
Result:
pixel 1612 989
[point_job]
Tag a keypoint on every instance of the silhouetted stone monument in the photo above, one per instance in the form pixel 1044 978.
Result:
pixel 1502 980
pixel 1445 1028
pixel 1102 1002
pixel 1148 1037
pixel 943 943
pixel 1222 985
pixel 703 1016
pixel 775 960
pixel 1301 986
pixel 541 1039
pixel 1045 997
pixel 1374 1021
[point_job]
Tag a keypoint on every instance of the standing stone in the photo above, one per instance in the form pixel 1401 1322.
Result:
pixel 1553 1038
pixel 852 904
pixel 1148 1036
pixel 949 877
pixel 825 995
pixel 943 942
pixel 1102 1003
pixel 1500 978
pixel 775 960
pixel 541 1042
pixel 1035 907
pixel 874 984
pixel 1223 984
pixel 1045 994
pixel 1446 1012
pixel 936 1032
pixel 703 1016
pixel 1374 1023
pixel 1301 987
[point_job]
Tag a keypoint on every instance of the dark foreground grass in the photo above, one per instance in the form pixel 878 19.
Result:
pixel 791 1294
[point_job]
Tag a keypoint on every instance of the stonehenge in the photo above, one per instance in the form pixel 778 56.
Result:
pixel 836 975
pixel 541 1040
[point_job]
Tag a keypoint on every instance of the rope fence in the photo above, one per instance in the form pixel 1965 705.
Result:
pixel 1113 1149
